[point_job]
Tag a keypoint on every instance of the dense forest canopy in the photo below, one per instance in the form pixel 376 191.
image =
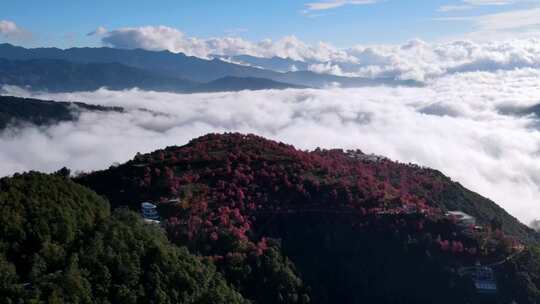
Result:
pixel 60 244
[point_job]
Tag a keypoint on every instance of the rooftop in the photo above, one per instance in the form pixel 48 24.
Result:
pixel 147 205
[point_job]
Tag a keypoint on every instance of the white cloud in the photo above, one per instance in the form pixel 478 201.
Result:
pixel 331 4
pixel 326 68
pixel 415 60
pixel 452 8
pixel 511 24
pixel 148 37
pixel 511 20
pixel 471 4
pixel 10 31
pixel 423 61
pixel 100 31
pixel 167 38
pixel 490 2
pixel 453 124
pixel 8 27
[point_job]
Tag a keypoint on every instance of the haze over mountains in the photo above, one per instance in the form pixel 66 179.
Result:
pixel 90 68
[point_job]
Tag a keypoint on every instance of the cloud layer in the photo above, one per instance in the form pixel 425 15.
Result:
pixel 414 60
pixel 454 124
pixel 174 40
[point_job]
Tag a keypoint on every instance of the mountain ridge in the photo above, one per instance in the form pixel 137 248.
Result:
pixel 178 65
pixel 232 83
pixel 56 75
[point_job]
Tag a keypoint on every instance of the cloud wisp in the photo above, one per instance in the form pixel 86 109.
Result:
pixel 512 20
pixel 331 4
pixel 10 31
pixel 454 124
pixel 519 19
pixel 471 4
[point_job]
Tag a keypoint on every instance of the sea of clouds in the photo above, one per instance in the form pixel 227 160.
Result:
pixel 414 60
pixel 460 123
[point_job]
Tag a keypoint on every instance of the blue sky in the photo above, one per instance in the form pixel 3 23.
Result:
pixel 343 23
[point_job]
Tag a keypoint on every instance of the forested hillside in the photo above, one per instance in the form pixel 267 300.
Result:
pixel 248 220
pixel 16 111
pixel 357 227
pixel 60 244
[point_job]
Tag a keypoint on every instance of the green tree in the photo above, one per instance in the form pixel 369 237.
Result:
pixel 60 244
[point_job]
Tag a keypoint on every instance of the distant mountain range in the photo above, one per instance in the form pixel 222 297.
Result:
pixel 534 110
pixel 284 65
pixel 231 83
pixel 277 64
pixel 60 76
pixel 88 68
pixel 56 75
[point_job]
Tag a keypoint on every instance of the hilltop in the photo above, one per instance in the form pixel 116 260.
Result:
pixel 357 227
pixel 334 178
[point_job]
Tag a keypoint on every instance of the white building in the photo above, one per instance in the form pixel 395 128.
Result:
pixel 462 218
pixel 149 211
pixel 484 280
